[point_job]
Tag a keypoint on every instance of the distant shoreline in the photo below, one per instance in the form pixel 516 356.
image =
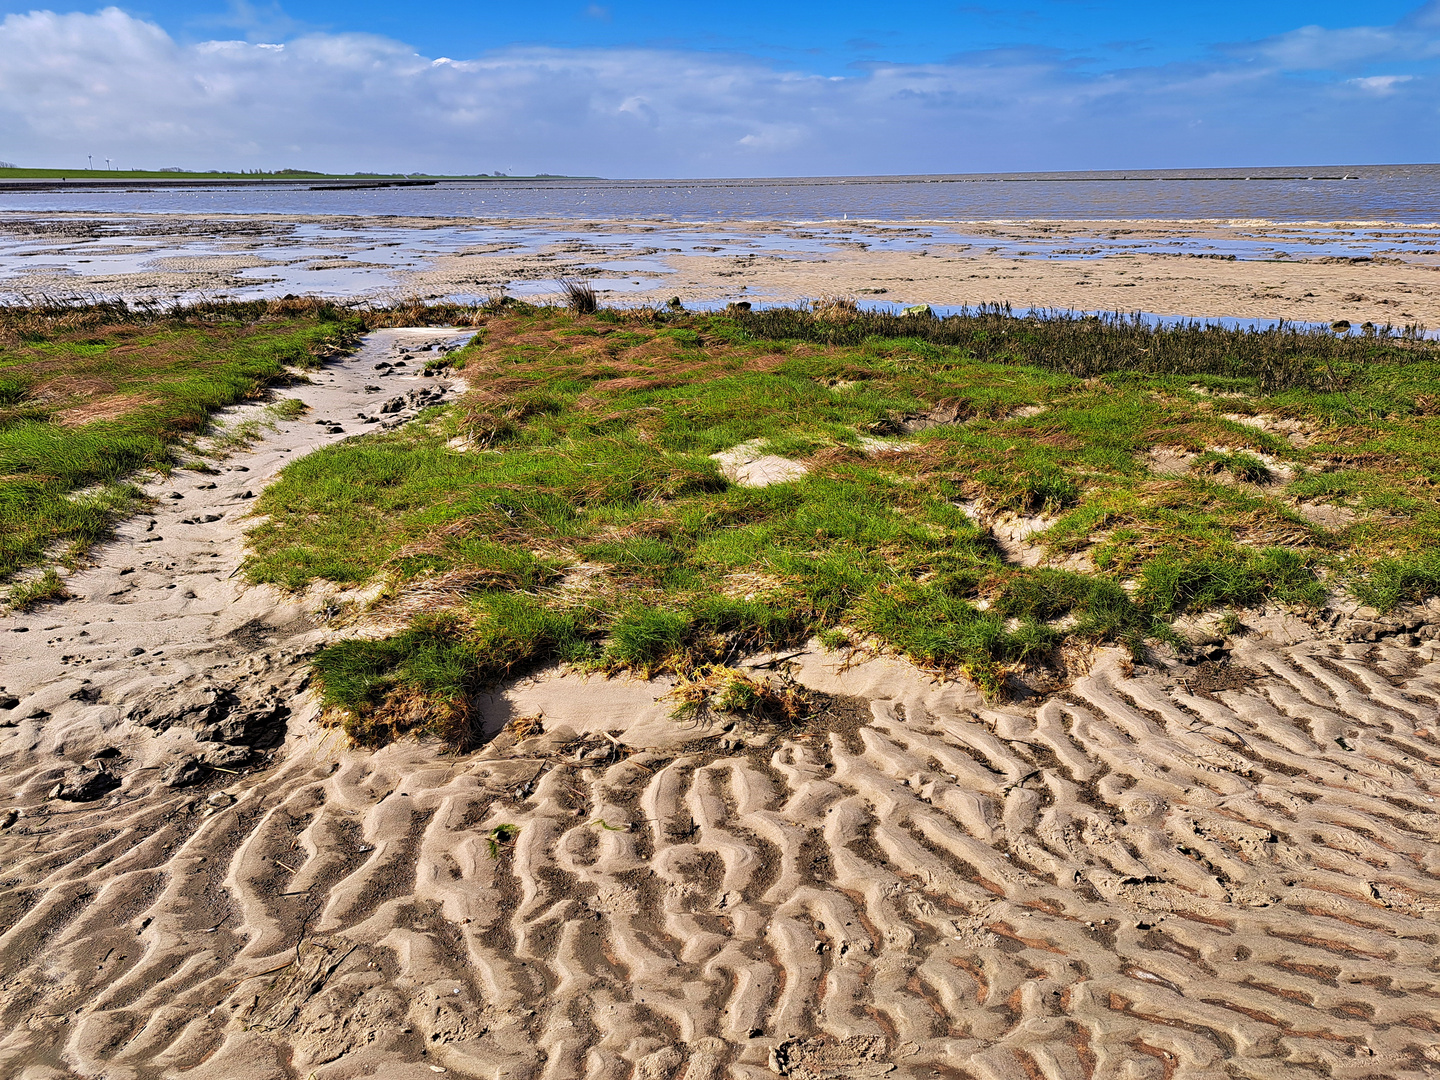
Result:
pixel 89 182
pixel 48 178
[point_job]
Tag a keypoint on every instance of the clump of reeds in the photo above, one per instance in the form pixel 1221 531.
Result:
pixel 579 296
pixel 835 308
pixel 1280 357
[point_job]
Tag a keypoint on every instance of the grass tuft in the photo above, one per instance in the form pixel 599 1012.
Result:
pixel 46 588
pixel 579 296
pixel 1171 584
pixel 716 688
pixel 1392 581
pixel 1244 467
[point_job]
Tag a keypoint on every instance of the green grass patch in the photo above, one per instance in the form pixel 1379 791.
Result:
pixel 28 594
pixel 1393 580
pixel 90 396
pixel 1171 583
pixel 1242 466
pixel 585 497
pixel 424 677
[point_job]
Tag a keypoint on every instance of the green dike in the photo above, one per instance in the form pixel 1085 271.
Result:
pixel 89 396
pixel 568 507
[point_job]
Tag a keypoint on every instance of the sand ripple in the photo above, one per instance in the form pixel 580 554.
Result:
pixel 1138 879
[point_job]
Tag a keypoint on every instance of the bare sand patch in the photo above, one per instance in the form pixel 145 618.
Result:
pixel 749 466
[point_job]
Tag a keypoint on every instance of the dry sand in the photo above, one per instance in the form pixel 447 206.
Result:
pixel 1199 870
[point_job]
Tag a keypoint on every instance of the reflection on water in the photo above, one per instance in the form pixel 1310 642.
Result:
pixel 67 256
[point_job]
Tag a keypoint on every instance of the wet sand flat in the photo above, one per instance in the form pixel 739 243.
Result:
pixel 1315 272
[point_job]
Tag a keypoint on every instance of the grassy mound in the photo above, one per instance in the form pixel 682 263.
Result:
pixel 977 493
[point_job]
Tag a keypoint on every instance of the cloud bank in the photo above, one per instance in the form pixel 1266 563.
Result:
pixel 116 86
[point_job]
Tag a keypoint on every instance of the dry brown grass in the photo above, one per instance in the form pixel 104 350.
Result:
pixel 756 701
pixel 525 727
pixel 835 455
pixel 108 408
pixel 835 308
pixel 635 382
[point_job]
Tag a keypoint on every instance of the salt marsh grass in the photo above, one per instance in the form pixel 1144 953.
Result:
pixel 584 519
pixel 972 492
pixel 92 394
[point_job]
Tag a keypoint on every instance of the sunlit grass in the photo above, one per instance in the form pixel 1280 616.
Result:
pixel 89 397
pixel 571 508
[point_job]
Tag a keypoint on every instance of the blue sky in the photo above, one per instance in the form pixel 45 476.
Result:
pixel 644 87
pixel 825 37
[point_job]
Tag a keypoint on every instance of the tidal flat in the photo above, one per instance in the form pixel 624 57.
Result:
pixel 1314 272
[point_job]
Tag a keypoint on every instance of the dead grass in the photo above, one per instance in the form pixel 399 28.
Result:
pixel 757 701
pixel 109 408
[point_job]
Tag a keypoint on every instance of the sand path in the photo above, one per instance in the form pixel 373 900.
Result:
pixel 160 612
pixel 1195 871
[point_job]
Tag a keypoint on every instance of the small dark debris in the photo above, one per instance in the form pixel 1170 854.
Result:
pixel 84 783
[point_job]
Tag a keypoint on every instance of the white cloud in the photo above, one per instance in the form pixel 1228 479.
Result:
pixel 1415 37
pixel 114 85
pixel 1380 84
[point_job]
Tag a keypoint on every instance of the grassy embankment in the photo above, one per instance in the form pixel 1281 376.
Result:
pixel 585 519
pixel 158 174
pixel 91 395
